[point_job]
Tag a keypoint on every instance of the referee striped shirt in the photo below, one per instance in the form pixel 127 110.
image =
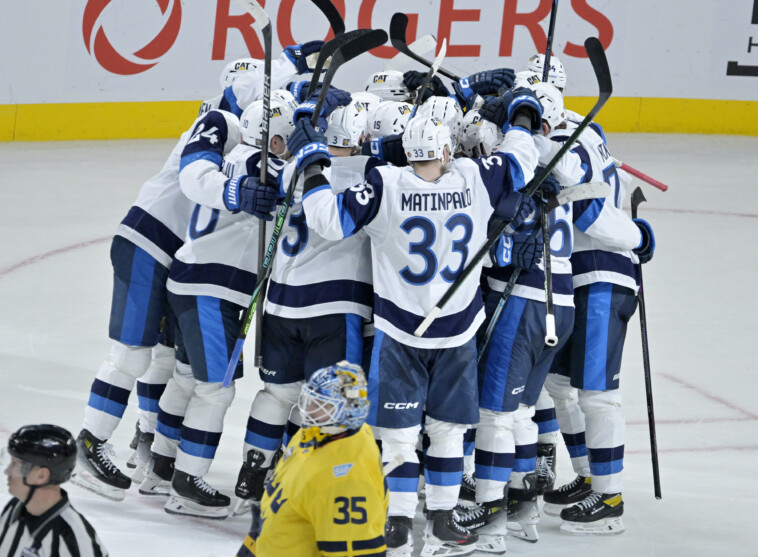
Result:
pixel 59 532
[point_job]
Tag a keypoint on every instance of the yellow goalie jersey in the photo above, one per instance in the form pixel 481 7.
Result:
pixel 326 498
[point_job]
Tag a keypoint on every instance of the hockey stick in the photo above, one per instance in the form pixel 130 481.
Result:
pixel 398 25
pixel 642 176
pixel 396 461
pixel 603 74
pixel 420 46
pixel 345 53
pixel 579 192
pixel 428 77
pixel 637 198
pixel 263 21
pixel 550 337
pixel 332 14
pixel 326 52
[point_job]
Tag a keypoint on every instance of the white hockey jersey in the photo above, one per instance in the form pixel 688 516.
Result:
pixel 220 253
pixel 423 234
pixel 603 234
pixel 158 219
pixel 248 86
pixel 313 276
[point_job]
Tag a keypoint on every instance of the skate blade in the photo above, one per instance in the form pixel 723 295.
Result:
pixel 493 545
pixel 132 462
pixel 436 549
pixel 402 551
pixel 87 481
pixel 138 476
pixel 152 487
pixel 184 507
pixel 606 527
pixel 242 506
pixel 525 532
pixel 551 509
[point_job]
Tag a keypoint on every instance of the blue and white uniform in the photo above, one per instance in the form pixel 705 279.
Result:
pixel 248 86
pixel 422 236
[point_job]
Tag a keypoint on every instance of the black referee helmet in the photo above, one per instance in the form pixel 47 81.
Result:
pixel 48 446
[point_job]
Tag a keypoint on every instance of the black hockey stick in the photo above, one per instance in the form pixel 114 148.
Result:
pixel 603 74
pixel 550 337
pixel 348 51
pixel 637 198
pixel 261 18
pixel 398 24
pixel 332 14
pixel 589 190
pixel 326 52
pixel 428 78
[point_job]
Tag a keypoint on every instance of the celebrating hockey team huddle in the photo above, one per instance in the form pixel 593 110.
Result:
pixel 371 386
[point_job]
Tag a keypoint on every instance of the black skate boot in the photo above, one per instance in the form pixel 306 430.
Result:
pixel 468 488
pixel 398 535
pixel 523 514
pixel 566 495
pixel 444 536
pixel 158 474
pixel 96 471
pixel 132 462
pixel 192 496
pixel 545 468
pixel 251 482
pixel 598 513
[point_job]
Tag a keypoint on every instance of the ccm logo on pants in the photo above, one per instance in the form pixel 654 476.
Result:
pixel 400 405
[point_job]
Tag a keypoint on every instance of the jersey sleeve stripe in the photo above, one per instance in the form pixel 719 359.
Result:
pixel 375 543
pixel 186 160
pixel 590 215
pixel 332 547
pixel 346 220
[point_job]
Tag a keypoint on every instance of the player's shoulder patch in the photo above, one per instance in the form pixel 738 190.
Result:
pixel 341 470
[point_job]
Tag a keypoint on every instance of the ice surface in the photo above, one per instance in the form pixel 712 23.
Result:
pixel 62 201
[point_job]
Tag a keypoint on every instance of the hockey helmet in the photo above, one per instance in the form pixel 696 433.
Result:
pixel 388 85
pixel 280 122
pixel 424 139
pixel 335 397
pixel 235 68
pixel 446 109
pixel 47 446
pixel 556 76
pixel 347 126
pixel 551 100
pixel 389 117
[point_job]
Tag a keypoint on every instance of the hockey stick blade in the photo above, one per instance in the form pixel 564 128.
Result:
pixel 332 14
pixel 429 76
pixel 256 10
pixel 637 198
pixel 640 175
pixel 396 461
pixel 579 192
pixel 603 74
pixel 420 46
pixel 326 52
pixel 398 25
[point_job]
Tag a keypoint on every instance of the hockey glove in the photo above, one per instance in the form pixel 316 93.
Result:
pixel 388 149
pixel 515 208
pixel 298 54
pixel 524 109
pixel 495 111
pixel 550 185
pixel 298 89
pixel 501 252
pixel 527 250
pixel 647 246
pixel 309 146
pixel 334 98
pixel 490 81
pixel 246 193
pixel 413 80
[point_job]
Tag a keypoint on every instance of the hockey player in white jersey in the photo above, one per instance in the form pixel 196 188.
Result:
pixel 231 71
pixel 319 296
pixel 210 281
pixel 423 222
pixel 389 86
pixel 584 381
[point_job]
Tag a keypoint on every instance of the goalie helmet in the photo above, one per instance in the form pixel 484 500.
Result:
pixel 556 76
pixel 551 100
pixel 236 67
pixel 347 126
pixel 388 85
pixel 527 78
pixel 47 446
pixel 335 397
pixel 424 139
pixel 388 118
pixel 280 122
pixel 447 110
pixel 479 137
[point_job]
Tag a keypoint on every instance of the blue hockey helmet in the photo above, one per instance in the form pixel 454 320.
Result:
pixel 335 397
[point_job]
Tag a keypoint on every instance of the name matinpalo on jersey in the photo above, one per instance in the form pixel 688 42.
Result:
pixel 435 201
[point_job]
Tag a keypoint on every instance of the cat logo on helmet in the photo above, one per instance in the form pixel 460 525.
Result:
pixel 381 78
pixel 403 109
pixel 244 66
pixel 276 112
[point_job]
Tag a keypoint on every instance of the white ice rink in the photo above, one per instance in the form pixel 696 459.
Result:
pixel 61 202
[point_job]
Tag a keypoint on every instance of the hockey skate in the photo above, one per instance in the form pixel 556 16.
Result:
pixel 545 468
pixel 251 482
pixel 193 496
pixel 523 515
pixel 157 476
pixel 444 536
pixel 142 456
pixel 95 470
pixel 131 463
pixel 569 494
pixel 398 535
pixel 490 521
pixel 468 488
pixel 597 514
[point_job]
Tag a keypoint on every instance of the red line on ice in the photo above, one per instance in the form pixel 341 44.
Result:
pixel 48 254
pixel 710 396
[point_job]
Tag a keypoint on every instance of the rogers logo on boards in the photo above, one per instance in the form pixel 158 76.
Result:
pixel 109 58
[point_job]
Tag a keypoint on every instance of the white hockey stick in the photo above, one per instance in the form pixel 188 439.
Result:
pixel 396 461
pixel 429 75
pixel 420 46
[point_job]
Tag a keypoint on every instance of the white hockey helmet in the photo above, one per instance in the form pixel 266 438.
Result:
pixel 347 126
pixel 282 95
pixel 527 78
pixel 553 111
pixel 236 67
pixel 388 118
pixel 368 101
pixel 479 137
pixel 447 110
pixel 280 123
pixel 424 139
pixel 556 76
pixel 388 85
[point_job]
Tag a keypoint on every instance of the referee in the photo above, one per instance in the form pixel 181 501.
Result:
pixel 39 520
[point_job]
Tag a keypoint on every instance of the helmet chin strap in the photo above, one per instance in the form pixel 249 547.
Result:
pixel 32 488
